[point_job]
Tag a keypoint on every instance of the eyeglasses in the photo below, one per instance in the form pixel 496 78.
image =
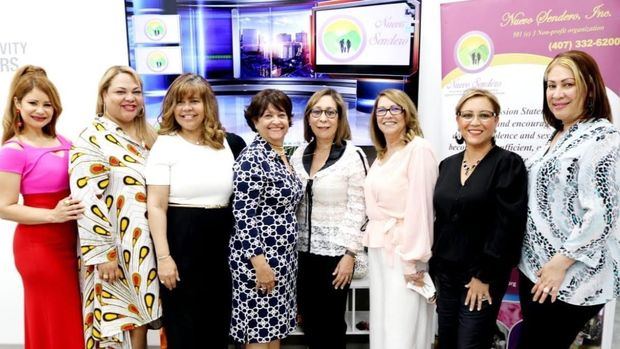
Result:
pixel 394 110
pixel 484 115
pixel 330 113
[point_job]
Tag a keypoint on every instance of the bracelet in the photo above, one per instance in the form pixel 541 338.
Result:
pixel 350 253
pixel 163 257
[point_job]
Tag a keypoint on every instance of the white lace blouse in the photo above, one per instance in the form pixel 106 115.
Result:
pixel 573 209
pixel 337 204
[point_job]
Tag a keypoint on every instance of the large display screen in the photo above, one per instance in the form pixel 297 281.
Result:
pixel 244 46
pixel 367 38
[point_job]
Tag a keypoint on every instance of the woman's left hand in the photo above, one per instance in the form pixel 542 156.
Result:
pixel 477 293
pixel 343 272
pixel 550 278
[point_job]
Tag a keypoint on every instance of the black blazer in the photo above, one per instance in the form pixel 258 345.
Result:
pixel 479 226
pixel 236 143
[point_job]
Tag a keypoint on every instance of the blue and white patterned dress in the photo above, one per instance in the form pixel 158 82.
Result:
pixel 266 197
pixel 573 209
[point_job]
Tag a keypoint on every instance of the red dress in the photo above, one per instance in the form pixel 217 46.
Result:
pixel 46 254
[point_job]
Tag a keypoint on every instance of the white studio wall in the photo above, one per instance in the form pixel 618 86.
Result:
pixel 75 42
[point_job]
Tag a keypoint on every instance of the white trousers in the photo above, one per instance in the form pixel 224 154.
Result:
pixel 400 318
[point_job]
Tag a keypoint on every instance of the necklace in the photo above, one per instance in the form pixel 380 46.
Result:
pixel 469 168
pixel 279 149
pixel 197 142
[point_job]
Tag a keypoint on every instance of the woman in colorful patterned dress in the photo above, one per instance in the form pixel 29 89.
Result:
pixel 571 251
pixel 263 259
pixel 119 275
pixel 34 161
pixel 190 183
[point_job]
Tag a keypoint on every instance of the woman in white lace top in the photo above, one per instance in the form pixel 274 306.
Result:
pixel 330 216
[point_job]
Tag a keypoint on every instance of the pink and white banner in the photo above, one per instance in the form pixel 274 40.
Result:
pixel 505 45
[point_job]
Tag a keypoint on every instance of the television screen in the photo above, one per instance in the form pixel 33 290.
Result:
pixel 244 46
pixel 367 38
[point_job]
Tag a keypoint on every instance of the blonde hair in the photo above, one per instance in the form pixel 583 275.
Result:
pixel 145 132
pixel 26 79
pixel 410 114
pixel 343 131
pixel 189 85
pixel 478 92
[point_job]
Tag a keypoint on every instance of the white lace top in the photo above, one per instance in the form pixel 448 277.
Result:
pixel 337 204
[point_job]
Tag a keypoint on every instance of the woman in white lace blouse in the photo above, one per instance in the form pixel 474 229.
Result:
pixel 571 252
pixel 330 216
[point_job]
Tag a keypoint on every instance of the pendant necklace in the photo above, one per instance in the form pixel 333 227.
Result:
pixel 469 168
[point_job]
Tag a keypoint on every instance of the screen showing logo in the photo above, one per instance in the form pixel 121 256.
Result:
pixel 157 61
pixel 342 38
pixel 473 51
pixel 155 29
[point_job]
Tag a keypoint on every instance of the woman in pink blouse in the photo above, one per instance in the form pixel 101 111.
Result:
pixel 33 162
pixel 399 203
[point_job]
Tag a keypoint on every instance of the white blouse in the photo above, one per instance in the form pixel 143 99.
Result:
pixel 338 210
pixel 197 174
pixel 573 209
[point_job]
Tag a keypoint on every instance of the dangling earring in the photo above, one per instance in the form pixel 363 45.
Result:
pixel 458 137
pixel 20 123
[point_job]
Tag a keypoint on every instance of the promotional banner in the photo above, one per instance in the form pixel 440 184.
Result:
pixel 504 46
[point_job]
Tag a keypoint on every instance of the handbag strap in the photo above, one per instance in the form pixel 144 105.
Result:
pixel 359 152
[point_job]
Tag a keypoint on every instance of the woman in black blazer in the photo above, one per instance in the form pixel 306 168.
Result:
pixel 480 206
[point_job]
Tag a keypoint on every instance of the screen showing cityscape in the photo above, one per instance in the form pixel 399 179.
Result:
pixel 275 43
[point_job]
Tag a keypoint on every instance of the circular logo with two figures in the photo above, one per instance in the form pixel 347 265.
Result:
pixel 342 39
pixel 157 61
pixel 473 51
pixel 155 29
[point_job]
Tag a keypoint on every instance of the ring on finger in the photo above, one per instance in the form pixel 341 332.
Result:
pixel 67 202
pixel 546 290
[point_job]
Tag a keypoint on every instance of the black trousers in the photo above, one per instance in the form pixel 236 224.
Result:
pixel 550 325
pixel 321 306
pixel 458 326
pixel 198 240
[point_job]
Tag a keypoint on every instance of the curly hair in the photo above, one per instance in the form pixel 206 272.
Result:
pixel 186 86
pixel 261 101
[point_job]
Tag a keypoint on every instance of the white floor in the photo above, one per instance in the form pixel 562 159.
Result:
pixel 615 339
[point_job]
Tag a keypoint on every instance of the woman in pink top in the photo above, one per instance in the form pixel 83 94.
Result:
pixel 34 162
pixel 399 203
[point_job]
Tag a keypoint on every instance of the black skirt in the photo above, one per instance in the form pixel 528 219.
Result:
pixel 198 242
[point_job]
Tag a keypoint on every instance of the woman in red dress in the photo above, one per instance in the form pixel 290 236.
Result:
pixel 34 162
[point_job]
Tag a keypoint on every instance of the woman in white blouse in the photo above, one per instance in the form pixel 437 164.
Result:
pixel 399 202
pixel 330 217
pixel 190 183
pixel 571 252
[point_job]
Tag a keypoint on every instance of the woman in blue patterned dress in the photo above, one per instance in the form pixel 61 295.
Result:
pixel 263 259
pixel 571 252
